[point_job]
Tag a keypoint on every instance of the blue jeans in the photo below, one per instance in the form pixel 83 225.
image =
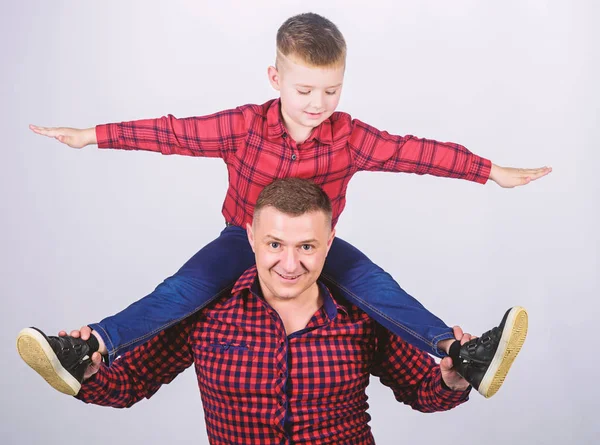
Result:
pixel 211 273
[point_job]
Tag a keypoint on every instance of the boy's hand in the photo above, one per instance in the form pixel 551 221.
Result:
pixel 508 177
pixel 73 137
pixel 452 379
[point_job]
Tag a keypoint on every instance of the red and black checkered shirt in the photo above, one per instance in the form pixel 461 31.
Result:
pixel 261 386
pixel 254 144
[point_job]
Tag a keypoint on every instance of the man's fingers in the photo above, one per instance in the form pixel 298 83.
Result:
pixel 85 332
pixel 446 364
pixel 465 338
pixel 458 332
pixel 75 334
pixel 96 358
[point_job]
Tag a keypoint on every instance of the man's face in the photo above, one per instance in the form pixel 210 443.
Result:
pixel 290 251
pixel 309 95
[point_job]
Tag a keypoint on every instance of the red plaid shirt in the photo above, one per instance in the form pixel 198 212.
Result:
pixel 254 144
pixel 261 386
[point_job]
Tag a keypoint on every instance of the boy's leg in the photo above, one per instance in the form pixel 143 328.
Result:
pixel 209 274
pixel 483 362
pixel 372 289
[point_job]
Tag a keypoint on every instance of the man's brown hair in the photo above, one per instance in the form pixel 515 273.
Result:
pixel 294 197
pixel 312 38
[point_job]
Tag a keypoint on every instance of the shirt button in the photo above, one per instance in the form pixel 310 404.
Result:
pixel 284 135
pixel 293 157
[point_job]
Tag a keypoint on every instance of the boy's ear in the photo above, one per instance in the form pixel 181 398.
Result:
pixel 274 77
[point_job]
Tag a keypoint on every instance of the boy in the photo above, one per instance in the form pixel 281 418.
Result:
pixel 299 134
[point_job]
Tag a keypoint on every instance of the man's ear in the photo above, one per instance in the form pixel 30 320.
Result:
pixel 274 77
pixel 250 234
pixel 330 240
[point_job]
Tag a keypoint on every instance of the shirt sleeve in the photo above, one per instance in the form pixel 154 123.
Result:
pixel 141 372
pixel 215 135
pixel 375 150
pixel 413 375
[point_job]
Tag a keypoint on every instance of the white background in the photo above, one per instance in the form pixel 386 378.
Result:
pixel 84 233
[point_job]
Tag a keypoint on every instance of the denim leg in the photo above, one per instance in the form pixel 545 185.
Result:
pixel 209 274
pixel 369 287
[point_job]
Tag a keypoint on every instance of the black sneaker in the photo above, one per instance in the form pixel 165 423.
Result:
pixel 487 359
pixel 61 361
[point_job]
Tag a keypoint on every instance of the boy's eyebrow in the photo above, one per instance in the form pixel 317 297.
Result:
pixel 310 86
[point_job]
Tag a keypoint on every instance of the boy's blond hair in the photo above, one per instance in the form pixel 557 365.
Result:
pixel 313 39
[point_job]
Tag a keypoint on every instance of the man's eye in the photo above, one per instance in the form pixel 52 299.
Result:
pixel 307 247
pixel 331 93
pixel 304 93
pixel 274 245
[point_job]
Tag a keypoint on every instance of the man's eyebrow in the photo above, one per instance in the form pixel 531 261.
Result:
pixel 274 238
pixel 311 86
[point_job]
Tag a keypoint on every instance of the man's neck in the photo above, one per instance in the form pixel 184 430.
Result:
pixel 295 313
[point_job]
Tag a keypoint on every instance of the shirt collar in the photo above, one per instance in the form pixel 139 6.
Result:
pixel 275 129
pixel 248 281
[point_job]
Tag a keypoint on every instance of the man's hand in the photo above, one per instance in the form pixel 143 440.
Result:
pixel 73 137
pixel 84 333
pixel 509 177
pixel 451 378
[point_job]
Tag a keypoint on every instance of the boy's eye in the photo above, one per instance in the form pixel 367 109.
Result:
pixel 274 245
pixel 331 93
pixel 304 93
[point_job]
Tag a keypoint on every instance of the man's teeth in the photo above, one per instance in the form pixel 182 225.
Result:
pixel 292 277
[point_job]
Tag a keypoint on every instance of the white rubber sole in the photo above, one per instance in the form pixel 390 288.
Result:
pixel 511 342
pixel 35 350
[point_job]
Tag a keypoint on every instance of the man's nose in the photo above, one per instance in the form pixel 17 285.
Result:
pixel 290 260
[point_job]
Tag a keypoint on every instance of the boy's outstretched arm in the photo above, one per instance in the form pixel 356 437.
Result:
pixel 73 137
pixel 509 177
pixel 215 135
pixel 376 150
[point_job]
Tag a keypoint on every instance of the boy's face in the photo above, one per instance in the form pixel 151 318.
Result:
pixel 290 251
pixel 309 95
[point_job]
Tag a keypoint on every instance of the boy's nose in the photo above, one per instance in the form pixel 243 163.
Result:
pixel 317 101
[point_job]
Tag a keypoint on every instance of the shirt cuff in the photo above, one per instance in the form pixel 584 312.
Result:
pixel 103 135
pixel 479 170
pixel 95 386
pixel 448 395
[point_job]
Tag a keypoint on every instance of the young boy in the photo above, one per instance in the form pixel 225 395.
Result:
pixel 301 135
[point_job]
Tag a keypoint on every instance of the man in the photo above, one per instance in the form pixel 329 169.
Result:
pixel 281 360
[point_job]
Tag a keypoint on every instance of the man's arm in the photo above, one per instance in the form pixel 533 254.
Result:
pixel 215 135
pixel 142 371
pixel 375 150
pixel 414 376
